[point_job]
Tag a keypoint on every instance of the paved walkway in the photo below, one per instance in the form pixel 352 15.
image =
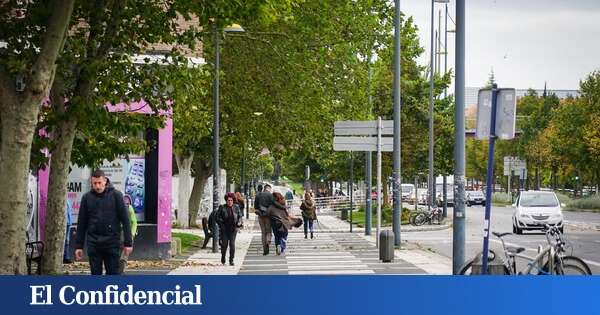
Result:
pixel 333 251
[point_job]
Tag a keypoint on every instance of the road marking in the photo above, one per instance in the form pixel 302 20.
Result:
pixel 331 272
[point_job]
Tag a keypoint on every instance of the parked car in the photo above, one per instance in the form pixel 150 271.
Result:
pixel 440 194
pixel 475 197
pixel 534 209
pixel 407 191
pixel 422 194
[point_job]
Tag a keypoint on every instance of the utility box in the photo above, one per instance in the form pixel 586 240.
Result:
pixel 386 246
pixel 495 267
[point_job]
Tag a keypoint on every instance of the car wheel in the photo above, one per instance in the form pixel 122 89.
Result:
pixel 514 228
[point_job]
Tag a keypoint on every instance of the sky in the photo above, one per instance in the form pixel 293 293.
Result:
pixel 526 43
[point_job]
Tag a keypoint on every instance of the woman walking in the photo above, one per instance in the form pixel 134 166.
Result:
pixel 281 222
pixel 229 219
pixel 239 200
pixel 309 214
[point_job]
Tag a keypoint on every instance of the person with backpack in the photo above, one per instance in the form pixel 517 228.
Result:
pixel 281 222
pixel 309 214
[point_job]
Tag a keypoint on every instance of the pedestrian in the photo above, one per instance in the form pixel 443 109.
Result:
pixel 239 200
pixel 229 218
pixel 102 215
pixel 309 214
pixel 133 222
pixel 281 222
pixel 263 200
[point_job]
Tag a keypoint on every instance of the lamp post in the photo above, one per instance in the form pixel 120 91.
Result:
pixel 216 124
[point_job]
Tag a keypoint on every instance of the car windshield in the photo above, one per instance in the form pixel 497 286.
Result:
pixel 406 189
pixel 538 200
pixel 476 193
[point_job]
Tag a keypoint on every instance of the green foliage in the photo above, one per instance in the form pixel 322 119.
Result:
pixel 188 240
pixel 589 203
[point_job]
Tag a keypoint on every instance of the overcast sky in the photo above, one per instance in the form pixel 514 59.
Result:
pixel 526 42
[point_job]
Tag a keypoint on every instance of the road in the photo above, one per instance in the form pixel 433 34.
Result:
pixel 580 233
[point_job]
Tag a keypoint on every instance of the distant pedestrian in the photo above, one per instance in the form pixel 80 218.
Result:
pixel 239 200
pixel 133 221
pixel 309 214
pixel 229 218
pixel 102 214
pixel 262 202
pixel 281 222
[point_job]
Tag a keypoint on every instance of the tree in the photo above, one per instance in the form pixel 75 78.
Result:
pixel 34 33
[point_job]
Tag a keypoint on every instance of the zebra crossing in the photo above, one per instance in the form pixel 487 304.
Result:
pixel 329 253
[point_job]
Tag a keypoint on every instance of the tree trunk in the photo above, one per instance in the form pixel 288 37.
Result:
pixel 18 126
pixel 386 201
pixel 184 164
pixel 19 118
pixel 57 191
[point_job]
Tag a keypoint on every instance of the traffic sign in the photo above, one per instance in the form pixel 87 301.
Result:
pixel 362 128
pixel 362 144
pixel 505 113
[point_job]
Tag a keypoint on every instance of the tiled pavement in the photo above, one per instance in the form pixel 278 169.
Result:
pixel 329 253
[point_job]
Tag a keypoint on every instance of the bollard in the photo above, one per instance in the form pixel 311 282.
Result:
pixel 386 246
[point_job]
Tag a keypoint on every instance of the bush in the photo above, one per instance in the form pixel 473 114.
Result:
pixel 502 198
pixel 592 202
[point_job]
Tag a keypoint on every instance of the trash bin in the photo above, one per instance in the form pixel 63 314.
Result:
pixel 344 215
pixel 386 246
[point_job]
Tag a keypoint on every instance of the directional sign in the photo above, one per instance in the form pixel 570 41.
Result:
pixel 505 113
pixel 514 164
pixel 362 144
pixel 362 128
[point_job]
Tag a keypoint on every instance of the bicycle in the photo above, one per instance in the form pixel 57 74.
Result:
pixel 549 261
pixel 432 217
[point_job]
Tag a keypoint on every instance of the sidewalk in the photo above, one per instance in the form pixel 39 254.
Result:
pixel 333 251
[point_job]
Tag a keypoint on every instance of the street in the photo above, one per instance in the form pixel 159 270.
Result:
pixel 584 240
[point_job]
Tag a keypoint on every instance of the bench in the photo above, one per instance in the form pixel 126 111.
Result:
pixel 35 253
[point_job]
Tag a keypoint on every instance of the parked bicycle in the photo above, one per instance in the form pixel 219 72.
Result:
pixel 551 260
pixel 434 216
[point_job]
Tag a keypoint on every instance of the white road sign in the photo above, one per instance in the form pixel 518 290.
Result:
pixel 505 113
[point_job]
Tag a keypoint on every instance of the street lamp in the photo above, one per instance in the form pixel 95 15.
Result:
pixel 216 167
pixel 432 67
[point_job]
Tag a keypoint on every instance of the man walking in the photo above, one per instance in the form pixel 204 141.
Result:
pixel 101 214
pixel 263 200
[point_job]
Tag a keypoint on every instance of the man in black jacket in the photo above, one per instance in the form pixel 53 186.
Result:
pixel 263 200
pixel 101 214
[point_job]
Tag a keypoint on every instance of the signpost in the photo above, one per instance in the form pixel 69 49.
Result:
pixel 514 164
pixel 495 119
pixel 359 136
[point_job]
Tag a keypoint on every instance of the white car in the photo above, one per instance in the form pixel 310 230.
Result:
pixel 407 191
pixel 475 197
pixel 536 209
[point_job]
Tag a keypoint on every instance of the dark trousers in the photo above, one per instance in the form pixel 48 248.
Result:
pixel 227 239
pixel 107 257
pixel 308 224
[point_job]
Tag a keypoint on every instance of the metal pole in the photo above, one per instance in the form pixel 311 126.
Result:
pixel 416 194
pixel 444 189
pixel 458 231
pixel 489 182
pixel 397 130
pixel 446 50
pixel 368 205
pixel 439 42
pixel 431 73
pixel 378 180
pixel 369 166
pixel 242 175
pixel 351 187
pixel 216 167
